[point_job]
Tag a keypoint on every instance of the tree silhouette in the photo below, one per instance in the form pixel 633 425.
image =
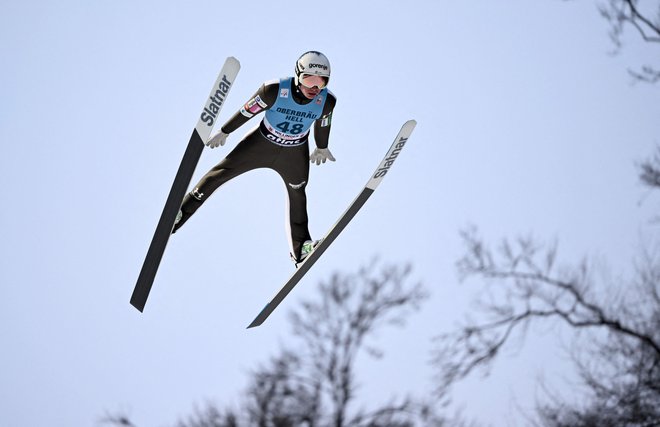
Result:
pixel 210 416
pixel 624 13
pixel 618 353
pixel 650 170
pixel 320 387
pixel 315 383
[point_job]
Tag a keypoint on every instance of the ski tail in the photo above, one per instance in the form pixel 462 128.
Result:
pixel 201 133
pixel 166 222
pixel 375 180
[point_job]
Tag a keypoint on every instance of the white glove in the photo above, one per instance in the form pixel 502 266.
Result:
pixel 218 139
pixel 320 155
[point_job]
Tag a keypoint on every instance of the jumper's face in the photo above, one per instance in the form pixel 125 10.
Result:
pixel 311 85
pixel 309 93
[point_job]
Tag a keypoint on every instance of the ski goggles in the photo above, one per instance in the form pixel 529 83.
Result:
pixel 311 80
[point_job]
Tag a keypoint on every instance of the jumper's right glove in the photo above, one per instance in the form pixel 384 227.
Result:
pixel 218 139
pixel 320 155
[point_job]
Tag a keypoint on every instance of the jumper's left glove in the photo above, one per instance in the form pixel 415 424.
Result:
pixel 320 155
pixel 218 139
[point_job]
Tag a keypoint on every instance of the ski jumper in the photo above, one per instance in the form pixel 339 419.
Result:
pixel 280 142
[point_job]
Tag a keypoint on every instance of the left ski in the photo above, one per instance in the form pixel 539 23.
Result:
pixel 343 221
pixel 191 156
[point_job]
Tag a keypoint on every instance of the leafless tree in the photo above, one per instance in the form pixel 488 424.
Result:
pixel 210 416
pixel 116 419
pixel 622 373
pixel 314 383
pixel 646 22
pixel 619 362
pixel 335 329
pixel 279 394
pixel 650 170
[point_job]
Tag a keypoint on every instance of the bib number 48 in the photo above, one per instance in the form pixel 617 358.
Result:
pixel 286 127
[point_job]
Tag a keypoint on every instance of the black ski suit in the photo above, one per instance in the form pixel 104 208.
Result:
pixel 255 150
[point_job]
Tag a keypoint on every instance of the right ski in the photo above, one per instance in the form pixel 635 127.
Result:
pixel 356 205
pixel 187 167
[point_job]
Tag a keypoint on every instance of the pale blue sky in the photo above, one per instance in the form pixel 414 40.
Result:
pixel 525 124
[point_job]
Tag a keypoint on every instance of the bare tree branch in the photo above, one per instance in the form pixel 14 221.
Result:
pixel 118 419
pixel 626 12
pixel 349 310
pixel 531 291
pixel 650 170
pixel 315 383
pixel 643 24
pixel 210 416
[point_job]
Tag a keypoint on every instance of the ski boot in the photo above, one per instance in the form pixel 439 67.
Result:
pixel 179 215
pixel 307 248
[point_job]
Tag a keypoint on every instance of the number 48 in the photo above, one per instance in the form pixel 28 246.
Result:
pixel 287 128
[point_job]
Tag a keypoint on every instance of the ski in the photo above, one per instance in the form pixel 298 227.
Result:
pixel 343 221
pixel 200 135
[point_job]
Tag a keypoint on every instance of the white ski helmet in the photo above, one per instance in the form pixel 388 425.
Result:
pixel 313 63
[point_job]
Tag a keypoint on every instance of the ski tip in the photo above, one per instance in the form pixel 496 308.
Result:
pixel 234 61
pixel 410 125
